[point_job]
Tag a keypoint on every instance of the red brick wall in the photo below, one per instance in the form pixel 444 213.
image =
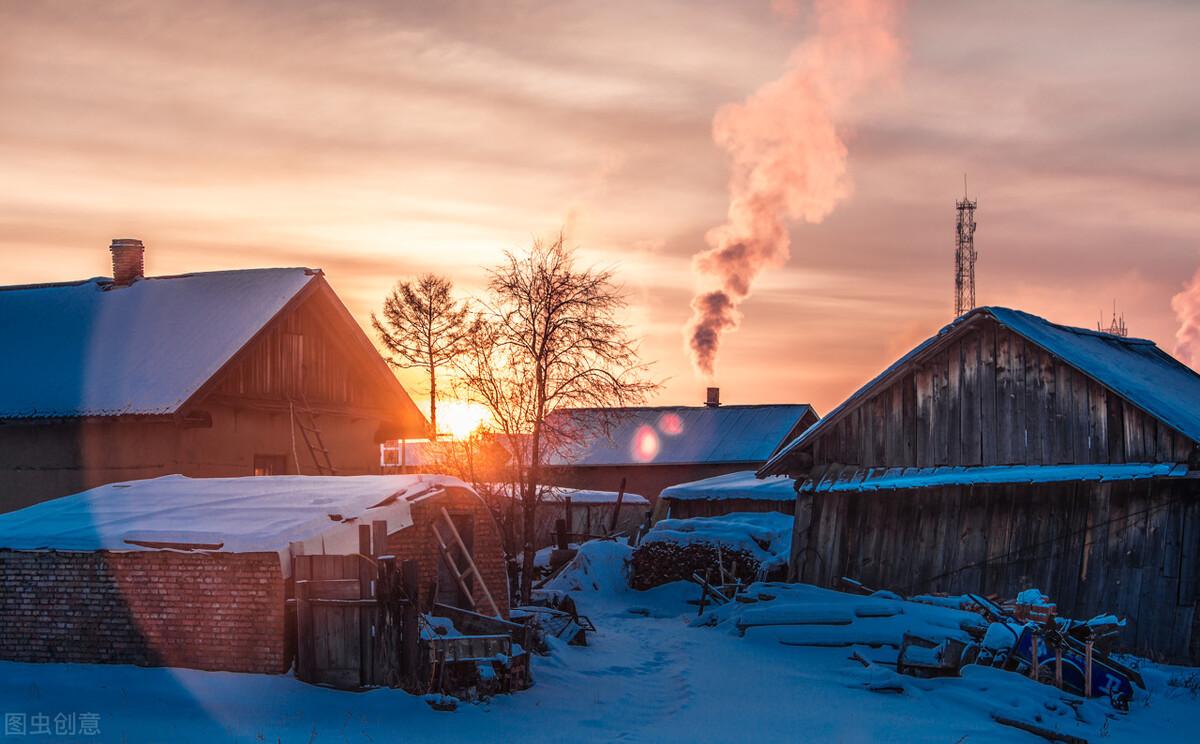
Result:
pixel 418 543
pixel 204 611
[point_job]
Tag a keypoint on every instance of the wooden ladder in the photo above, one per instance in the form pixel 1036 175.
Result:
pixel 472 570
pixel 306 421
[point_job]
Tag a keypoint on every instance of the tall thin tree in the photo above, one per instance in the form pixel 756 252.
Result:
pixel 423 326
pixel 548 338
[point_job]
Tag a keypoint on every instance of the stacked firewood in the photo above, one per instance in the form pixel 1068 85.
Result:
pixel 662 562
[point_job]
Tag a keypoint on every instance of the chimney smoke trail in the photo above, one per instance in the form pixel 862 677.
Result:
pixel 788 159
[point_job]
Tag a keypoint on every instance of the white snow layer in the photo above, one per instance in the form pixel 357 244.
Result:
pixel 880 479
pixel 556 494
pixel 765 535
pixel 740 485
pixel 231 515
pixel 84 349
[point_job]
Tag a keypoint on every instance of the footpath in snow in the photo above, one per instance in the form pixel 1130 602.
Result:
pixel 654 672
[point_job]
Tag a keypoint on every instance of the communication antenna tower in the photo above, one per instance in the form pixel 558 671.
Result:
pixel 1117 326
pixel 964 254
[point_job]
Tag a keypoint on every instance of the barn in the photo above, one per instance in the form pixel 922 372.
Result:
pixel 742 491
pixel 650 448
pixel 1009 452
pixel 201 573
pixel 223 373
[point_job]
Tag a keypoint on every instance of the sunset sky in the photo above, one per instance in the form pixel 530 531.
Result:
pixel 376 140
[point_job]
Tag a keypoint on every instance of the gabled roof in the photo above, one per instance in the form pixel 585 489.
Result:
pixel 680 435
pixel 1133 368
pixel 91 349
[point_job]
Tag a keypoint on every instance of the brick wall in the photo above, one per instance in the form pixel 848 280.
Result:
pixel 215 611
pixel 418 543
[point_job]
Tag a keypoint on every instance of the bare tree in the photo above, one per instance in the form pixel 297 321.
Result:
pixel 423 327
pixel 548 338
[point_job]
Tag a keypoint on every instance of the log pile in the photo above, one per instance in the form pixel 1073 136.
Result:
pixel 662 562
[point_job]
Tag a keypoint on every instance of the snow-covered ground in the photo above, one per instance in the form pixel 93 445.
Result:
pixel 653 672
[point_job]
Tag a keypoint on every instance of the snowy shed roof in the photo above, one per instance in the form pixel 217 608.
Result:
pixel 740 485
pixel 681 435
pixel 850 479
pixel 579 496
pixel 1134 368
pixel 91 349
pixel 232 515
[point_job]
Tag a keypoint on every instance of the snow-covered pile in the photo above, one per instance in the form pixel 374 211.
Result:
pixel 767 536
pixel 599 566
pixel 233 515
pixel 741 485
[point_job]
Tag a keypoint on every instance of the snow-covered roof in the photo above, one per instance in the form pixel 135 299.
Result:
pixel 1134 368
pixel 740 485
pixel 678 435
pixel 90 349
pixel 845 480
pixel 581 495
pixel 231 515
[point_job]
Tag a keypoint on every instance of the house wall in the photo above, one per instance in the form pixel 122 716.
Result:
pixel 1129 548
pixel 991 398
pixel 419 543
pixel 202 611
pixel 645 480
pixel 47 460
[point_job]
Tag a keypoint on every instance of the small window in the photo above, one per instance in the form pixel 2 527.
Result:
pixel 270 464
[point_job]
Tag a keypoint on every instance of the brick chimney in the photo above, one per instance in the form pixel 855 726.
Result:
pixel 714 397
pixel 127 258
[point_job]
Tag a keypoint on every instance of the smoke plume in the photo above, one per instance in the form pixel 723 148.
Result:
pixel 1186 305
pixel 788 158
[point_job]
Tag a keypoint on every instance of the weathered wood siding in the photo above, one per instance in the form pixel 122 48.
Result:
pixel 991 398
pixel 302 355
pixel 1131 548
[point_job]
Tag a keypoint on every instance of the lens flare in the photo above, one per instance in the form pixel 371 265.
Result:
pixel 645 444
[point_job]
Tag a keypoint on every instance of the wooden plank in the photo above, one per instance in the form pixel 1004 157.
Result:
pixel 923 389
pixel 1081 426
pixel 988 428
pixel 1116 428
pixel 953 424
pixel 1034 407
pixel 895 425
pixel 972 447
pixel 1006 398
pixel 1135 450
pixel 330 588
pixel 305 648
pixel 1020 438
pixel 1097 422
pixel 939 424
pixel 1064 451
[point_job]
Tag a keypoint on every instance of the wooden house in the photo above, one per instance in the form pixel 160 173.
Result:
pixel 202 572
pixel 1009 452
pixel 650 448
pixel 224 373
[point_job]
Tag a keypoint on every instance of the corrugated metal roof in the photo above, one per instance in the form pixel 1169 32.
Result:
pixel 1134 368
pixel 89 349
pixel 679 435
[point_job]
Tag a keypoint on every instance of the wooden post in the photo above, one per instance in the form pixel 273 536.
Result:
pixel 1058 668
pixel 617 509
pixel 365 627
pixel 1087 669
pixel 378 538
pixel 1033 656
pixel 560 530
pixel 410 631
pixel 570 524
pixel 304 633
